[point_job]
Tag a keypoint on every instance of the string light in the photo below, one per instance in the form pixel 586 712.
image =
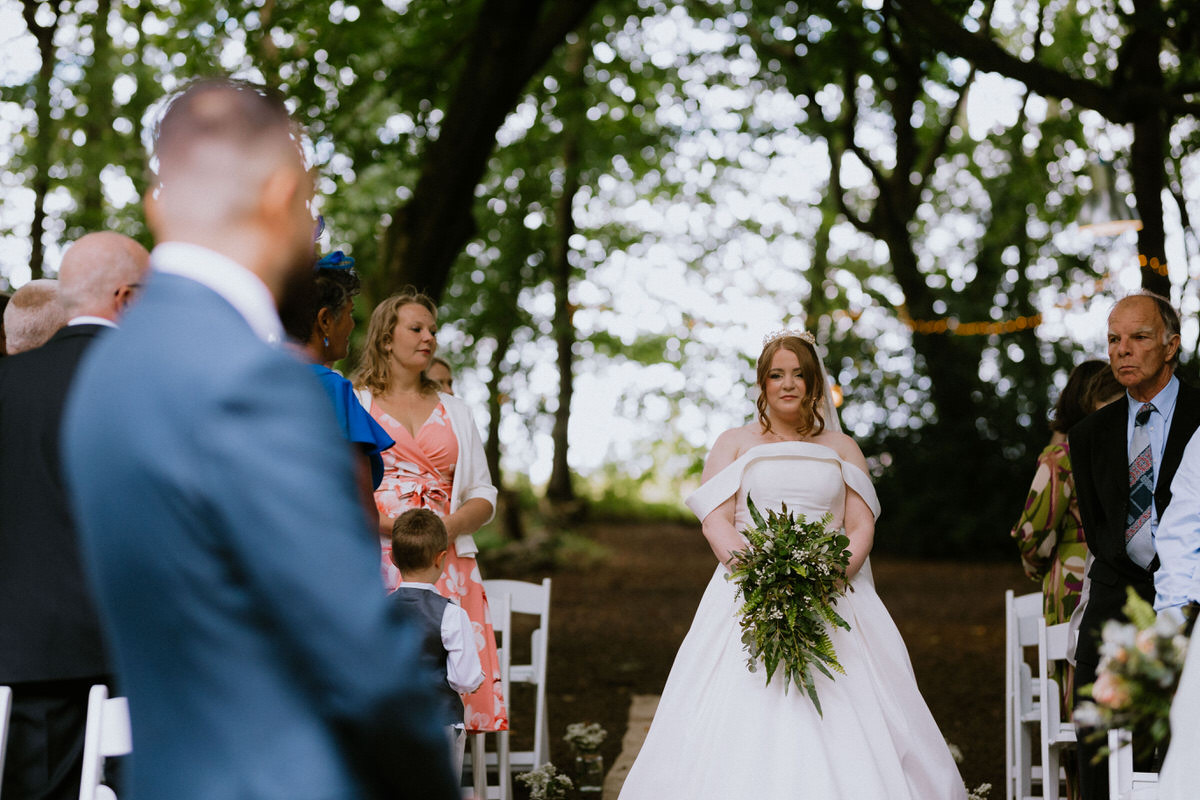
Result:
pixel 954 327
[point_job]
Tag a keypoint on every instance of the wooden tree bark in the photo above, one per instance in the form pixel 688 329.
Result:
pixel 1138 96
pixel 44 143
pixel 560 490
pixel 97 126
pixel 512 40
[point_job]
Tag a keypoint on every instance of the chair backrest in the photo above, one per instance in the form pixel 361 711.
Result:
pixel 106 735
pixel 5 713
pixel 1021 617
pixel 1123 782
pixel 532 599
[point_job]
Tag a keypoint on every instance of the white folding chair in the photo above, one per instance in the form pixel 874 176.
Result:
pixel 502 790
pixel 1021 693
pixel 1123 782
pixel 1056 734
pixel 5 712
pixel 532 599
pixel 106 735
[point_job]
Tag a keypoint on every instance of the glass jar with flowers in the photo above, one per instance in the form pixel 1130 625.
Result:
pixel 585 739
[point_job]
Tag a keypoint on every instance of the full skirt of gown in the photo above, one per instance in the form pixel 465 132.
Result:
pixel 721 732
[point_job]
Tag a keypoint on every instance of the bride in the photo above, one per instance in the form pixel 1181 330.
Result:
pixel 720 731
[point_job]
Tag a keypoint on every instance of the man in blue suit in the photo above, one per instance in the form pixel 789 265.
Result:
pixel 236 573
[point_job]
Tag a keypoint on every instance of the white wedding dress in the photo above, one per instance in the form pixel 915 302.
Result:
pixel 720 732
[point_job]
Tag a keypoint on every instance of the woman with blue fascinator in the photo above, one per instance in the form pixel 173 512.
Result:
pixel 321 322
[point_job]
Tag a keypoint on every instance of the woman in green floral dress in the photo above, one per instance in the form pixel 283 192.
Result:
pixel 1048 533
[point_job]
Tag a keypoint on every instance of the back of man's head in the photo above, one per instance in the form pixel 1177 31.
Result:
pixel 99 273
pixel 217 141
pixel 33 315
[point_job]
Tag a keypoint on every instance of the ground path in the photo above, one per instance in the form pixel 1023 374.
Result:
pixel 615 627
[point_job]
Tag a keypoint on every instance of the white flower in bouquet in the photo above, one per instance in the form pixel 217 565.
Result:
pixel 546 783
pixel 1140 664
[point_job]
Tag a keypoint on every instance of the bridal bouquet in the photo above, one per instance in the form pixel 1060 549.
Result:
pixel 1140 663
pixel 790 576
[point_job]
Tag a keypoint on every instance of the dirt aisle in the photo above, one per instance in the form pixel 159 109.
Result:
pixel 615 628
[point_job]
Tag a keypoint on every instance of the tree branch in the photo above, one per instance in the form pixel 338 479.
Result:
pixel 945 33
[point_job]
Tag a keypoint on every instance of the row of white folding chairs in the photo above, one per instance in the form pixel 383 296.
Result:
pixel 1032 705
pixel 506 598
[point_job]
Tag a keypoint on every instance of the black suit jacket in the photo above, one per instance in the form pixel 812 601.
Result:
pixel 49 628
pixel 1100 467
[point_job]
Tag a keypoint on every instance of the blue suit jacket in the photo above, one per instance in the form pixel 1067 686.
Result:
pixel 235 570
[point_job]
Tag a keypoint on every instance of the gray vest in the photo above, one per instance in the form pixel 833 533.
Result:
pixel 426 609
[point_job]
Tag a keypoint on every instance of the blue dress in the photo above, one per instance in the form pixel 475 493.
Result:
pixel 357 425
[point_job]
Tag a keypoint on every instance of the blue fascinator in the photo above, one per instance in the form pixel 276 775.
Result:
pixel 335 260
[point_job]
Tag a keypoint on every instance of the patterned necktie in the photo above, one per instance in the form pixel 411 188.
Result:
pixel 1139 542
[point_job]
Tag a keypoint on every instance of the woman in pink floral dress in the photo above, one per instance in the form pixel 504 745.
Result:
pixel 437 463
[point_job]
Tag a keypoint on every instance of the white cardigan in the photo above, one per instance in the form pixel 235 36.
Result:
pixel 471 476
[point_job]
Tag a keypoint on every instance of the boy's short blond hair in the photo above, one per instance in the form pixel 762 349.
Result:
pixel 418 535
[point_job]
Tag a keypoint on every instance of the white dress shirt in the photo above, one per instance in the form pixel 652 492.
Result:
pixel 463 670
pixel 1177 541
pixel 240 287
pixel 87 319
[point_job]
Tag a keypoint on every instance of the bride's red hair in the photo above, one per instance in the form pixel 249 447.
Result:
pixel 814 383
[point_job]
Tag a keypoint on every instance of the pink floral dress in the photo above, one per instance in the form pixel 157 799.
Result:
pixel 419 473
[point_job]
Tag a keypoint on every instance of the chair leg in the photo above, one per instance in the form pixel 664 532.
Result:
pixel 479 766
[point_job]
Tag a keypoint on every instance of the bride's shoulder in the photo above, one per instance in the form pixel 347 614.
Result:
pixel 845 446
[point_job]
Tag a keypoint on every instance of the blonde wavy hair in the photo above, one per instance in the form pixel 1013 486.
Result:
pixel 374 370
pixel 814 384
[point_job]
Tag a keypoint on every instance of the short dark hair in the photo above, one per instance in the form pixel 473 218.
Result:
pixel 1071 406
pixel 329 288
pixel 228 109
pixel 418 535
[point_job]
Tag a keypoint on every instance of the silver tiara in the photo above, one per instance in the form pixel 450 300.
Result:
pixel 781 334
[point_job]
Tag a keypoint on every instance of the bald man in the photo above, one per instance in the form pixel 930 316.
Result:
pixel 33 315
pixel 226 541
pixel 51 649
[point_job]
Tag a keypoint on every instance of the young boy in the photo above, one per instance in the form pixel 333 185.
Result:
pixel 419 544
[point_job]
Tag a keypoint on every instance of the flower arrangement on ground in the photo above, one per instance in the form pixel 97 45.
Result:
pixel 546 783
pixel 1140 663
pixel 585 737
pixel 789 577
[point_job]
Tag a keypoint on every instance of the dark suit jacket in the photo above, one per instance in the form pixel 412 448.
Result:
pixel 1100 466
pixel 249 625
pixel 49 629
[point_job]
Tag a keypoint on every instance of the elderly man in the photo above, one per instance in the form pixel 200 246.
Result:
pixel 229 550
pixel 1124 458
pixel 32 316
pixel 50 640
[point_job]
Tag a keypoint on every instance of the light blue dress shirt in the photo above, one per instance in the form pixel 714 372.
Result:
pixel 1156 428
pixel 1177 541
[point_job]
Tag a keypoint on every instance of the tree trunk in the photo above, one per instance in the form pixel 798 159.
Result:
pixel 560 491
pixel 43 144
pixel 512 41
pixel 97 126
pixel 508 506
pixel 1148 152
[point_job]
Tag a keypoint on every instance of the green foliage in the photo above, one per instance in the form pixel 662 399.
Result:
pixel 790 576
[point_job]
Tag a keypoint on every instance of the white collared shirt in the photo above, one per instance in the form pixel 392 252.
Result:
pixel 240 287
pixel 1177 541
pixel 464 673
pixel 88 319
